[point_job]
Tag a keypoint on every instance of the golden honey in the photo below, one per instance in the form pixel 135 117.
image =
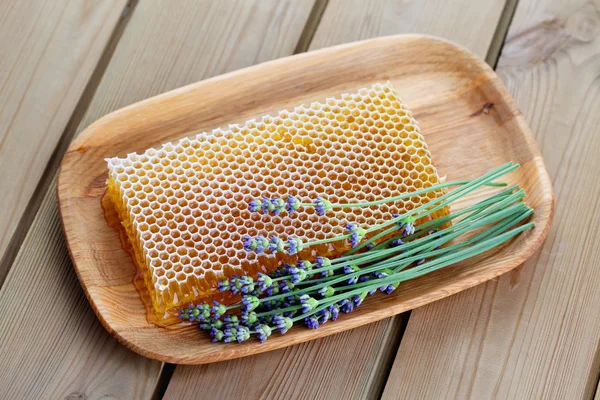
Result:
pixel 184 205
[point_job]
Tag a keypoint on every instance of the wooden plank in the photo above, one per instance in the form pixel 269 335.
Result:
pixel 318 369
pixel 50 50
pixel 61 349
pixel 533 333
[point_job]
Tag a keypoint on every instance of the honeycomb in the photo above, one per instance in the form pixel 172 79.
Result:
pixel 185 205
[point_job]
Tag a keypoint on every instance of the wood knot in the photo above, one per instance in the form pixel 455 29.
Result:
pixel 487 107
pixel 584 24
pixel 76 396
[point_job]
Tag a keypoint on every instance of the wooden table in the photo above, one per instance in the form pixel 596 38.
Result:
pixel 533 333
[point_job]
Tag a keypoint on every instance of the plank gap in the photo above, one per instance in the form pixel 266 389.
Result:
pixel 311 25
pixel 69 132
pixel 501 32
pixel 166 372
pixel 388 360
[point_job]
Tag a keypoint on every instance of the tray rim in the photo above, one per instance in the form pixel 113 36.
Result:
pixel 230 350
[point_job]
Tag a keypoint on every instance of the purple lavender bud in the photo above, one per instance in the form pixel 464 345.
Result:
pixel 230 320
pixel 250 302
pixel 397 242
pixel 283 323
pixel 267 205
pixel 249 317
pixel 323 206
pixel 242 333
pixel 311 322
pixel 298 275
pixel 308 303
pixel 250 244
pixel 216 334
pixel 272 290
pixel 224 285
pixel 264 331
pixel 323 262
pixel 262 243
pixel 323 316
pixel 295 245
pixel 292 204
pixel 409 229
pixel 334 309
pixel 218 309
pixel 276 245
pixel 326 291
pixel 278 206
pixel 264 282
pixel 255 205
pixel 346 306
pixel 304 265
pixel 357 234
pixel 229 335
pixel 359 298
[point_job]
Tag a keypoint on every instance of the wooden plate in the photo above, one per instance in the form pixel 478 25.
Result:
pixel 466 114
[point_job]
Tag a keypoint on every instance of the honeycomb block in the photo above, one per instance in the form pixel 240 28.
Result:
pixel 185 205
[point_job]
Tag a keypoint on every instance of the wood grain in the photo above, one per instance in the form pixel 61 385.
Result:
pixel 349 20
pixel 379 339
pixel 61 349
pixel 49 51
pixel 534 332
pixel 306 371
pixel 444 96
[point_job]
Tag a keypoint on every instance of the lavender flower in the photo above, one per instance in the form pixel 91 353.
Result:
pixel 242 333
pixel 286 286
pixel 264 282
pixel 218 309
pixel 323 316
pixel 272 290
pixel 409 229
pixel 334 309
pixel 389 289
pixel 298 275
pixel 231 320
pixel 216 334
pixel 262 243
pixel 250 244
pixel 359 298
pixel 211 323
pixel 278 206
pixel 346 306
pixel 304 265
pixel 267 205
pixel 264 331
pixel 357 232
pixel 276 245
pixel 255 205
pixel 295 245
pixel 292 204
pixel 397 242
pixel 229 335
pixel 323 262
pixel 308 303
pixel 326 291
pixel 250 302
pixel 349 269
pixel 323 206
pixel 283 323
pixel 311 322
pixel 224 285
pixel 249 317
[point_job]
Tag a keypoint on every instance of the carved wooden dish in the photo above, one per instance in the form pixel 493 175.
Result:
pixel 469 121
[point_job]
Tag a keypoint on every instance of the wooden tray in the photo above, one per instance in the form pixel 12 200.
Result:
pixel 466 114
